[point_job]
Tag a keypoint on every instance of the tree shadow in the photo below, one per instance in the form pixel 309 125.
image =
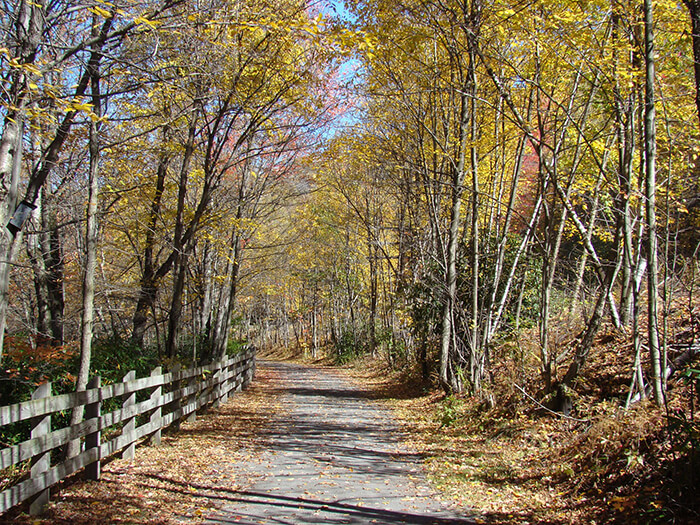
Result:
pixel 337 422
pixel 408 387
pixel 323 511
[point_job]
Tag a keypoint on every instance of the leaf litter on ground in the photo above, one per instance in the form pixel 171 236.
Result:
pixel 511 464
pixel 516 463
pixel 185 479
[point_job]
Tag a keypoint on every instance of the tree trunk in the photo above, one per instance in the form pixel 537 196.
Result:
pixel 148 287
pixel 10 169
pixel 146 303
pixel 206 291
pixel 179 245
pixel 23 43
pixel 372 259
pixel 477 356
pixel 586 338
pixel 581 269
pixel 175 312
pixel 53 261
pixel 314 327
pixel 694 11
pixel 91 231
pixel 222 310
pixel 625 107
pixel 220 343
pixel 650 194
pixel 233 266
pixel 449 376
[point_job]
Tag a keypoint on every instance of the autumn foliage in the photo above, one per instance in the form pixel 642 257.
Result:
pixel 499 199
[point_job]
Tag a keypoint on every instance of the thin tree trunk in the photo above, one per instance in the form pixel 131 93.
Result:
pixel 586 342
pixel 88 315
pixel 228 297
pixel 637 372
pixel 206 291
pixel 148 286
pixel 180 246
pixel 581 269
pixel 233 266
pixel 477 357
pixel 314 327
pixel 372 257
pixel 492 316
pixel 53 260
pixel 221 308
pixel 694 11
pixel 625 111
pixel 650 194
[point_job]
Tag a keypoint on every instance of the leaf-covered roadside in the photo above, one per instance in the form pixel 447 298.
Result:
pixel 517 463
pixel 184 480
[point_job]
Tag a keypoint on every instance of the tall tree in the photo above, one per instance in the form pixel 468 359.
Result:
pixel 650 196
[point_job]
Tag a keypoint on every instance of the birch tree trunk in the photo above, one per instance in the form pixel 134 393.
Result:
pixel 650 195
pixel 28 29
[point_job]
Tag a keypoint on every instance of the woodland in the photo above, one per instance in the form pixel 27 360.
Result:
pixel 498 199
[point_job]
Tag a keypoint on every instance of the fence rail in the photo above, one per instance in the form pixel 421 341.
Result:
pixel 165 399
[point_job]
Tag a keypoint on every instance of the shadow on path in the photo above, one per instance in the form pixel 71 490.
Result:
pixel 334 456
pixel 345 513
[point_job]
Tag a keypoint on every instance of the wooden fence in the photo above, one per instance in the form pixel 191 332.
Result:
pixel 141 408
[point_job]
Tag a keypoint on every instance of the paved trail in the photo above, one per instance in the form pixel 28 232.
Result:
pixel 334 457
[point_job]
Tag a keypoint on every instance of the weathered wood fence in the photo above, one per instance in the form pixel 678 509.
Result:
pixel 145 407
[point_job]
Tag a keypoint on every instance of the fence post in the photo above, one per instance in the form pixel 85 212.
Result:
pixel 246 372
pixel 130 425
pixel 157 414
pixel 225 379
pixel 176 405
pixel 216 387
pixel 93 440
pixel 42 462
pixel 195 381
pixel 250 371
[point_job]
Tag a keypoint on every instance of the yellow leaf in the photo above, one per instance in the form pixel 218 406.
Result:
pixel 80 106
pixel 101 12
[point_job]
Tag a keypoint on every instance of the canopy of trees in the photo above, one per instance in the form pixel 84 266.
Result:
pixel 457 185
pixel 515 178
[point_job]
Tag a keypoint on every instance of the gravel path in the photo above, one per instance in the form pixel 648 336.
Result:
pixel 334 457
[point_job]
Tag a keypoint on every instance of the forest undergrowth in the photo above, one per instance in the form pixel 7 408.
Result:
pixel 519 462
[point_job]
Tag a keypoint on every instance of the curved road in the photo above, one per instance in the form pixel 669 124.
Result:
pixel 334 457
